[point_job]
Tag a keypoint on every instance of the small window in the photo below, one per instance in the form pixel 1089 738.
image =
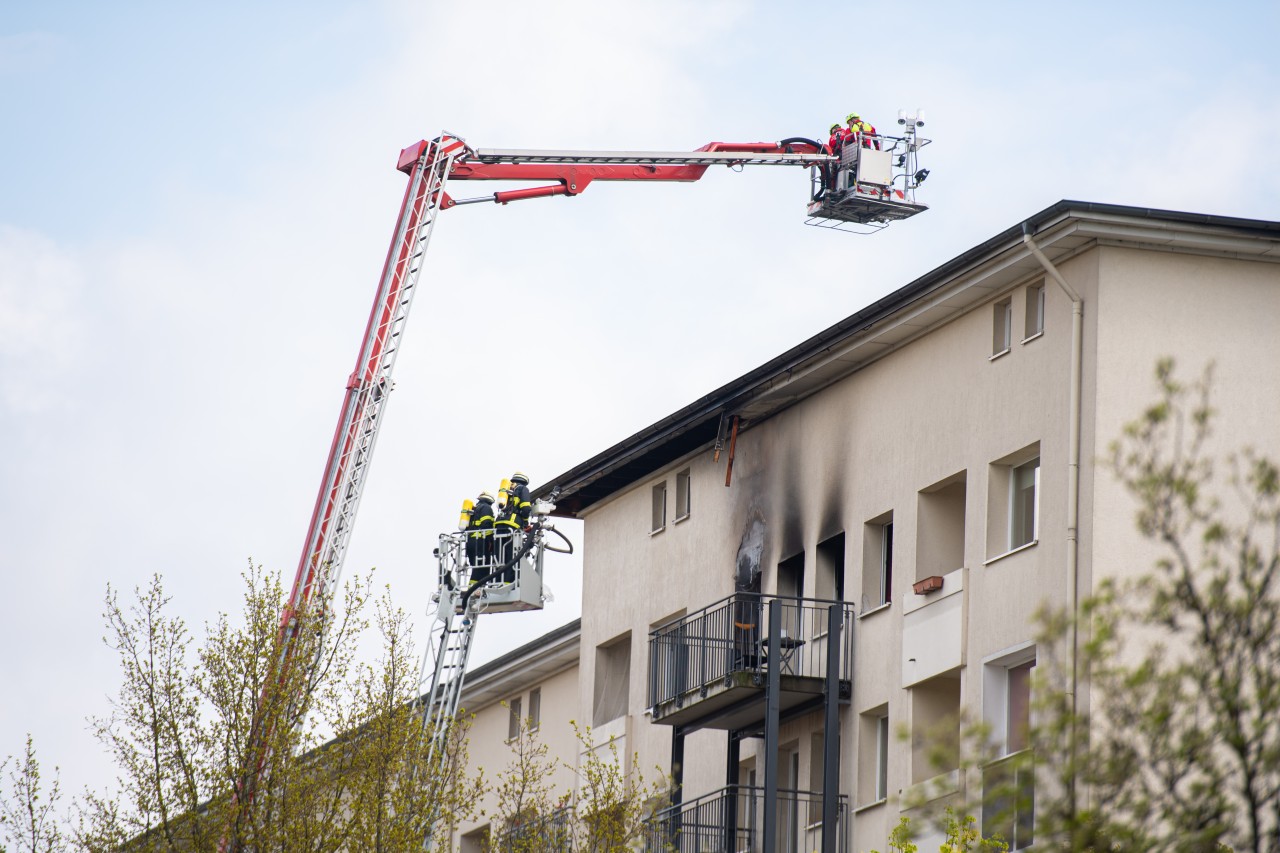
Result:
pixel 830 569
pixel 873 755
pixel 791 585
pixel 1018 707
pixel 535 708
pixel 877 562
pixel 1002 327
pixel 882 757
pixel 1024 507
pixel 513 719
pixel 682 495
pixel 659 507
pixel 1035 311
pixel 1013 505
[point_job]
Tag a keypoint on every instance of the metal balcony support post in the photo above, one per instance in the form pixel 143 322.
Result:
pixel 655 664
pixel 831 732
pixel 677 785
pixel 733 757
pixel 772 707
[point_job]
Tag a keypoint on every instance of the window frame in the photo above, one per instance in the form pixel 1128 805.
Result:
pixel 658 508
pixel 882 757
pixel 684 501
pixel 1002 327
pixel 1033 316
pixel 513 718
pixel 1016 521
pixel 535 709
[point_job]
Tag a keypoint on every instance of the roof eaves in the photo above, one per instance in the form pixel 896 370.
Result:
pixel 630 453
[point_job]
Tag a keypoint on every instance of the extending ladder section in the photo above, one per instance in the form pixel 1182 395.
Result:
pixel 370 384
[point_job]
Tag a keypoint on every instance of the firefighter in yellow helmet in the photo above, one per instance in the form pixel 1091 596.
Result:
pixel 513 516
pixel 860 129
pixel 480 536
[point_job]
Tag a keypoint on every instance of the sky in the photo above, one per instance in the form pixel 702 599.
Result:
pixel 196 201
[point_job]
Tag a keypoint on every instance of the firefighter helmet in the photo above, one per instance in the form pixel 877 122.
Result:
pixel 851 117
pixel 484 496
pixel 521 478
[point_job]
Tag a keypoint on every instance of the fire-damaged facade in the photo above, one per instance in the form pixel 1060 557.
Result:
pixel 851 541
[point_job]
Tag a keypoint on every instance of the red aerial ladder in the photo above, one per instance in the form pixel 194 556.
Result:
pixel 867 186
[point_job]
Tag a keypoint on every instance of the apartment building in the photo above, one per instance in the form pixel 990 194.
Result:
pixel 853 537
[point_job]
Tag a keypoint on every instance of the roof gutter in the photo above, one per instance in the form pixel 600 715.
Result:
pixel 1073 488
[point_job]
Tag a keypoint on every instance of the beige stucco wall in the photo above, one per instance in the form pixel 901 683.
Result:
pixel 1199 310
pixel 933 409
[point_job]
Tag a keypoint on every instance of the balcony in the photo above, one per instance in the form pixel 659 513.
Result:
pixel 731 819
pixel 709 669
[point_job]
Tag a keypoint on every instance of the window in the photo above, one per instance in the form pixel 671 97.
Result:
pixel 1024 506
pixel 830 579
pixel 877 562
pixel 873 756
pixel 1035 312
pixel 940 522
pixel 513 719
pixel 612 681
pixel 882 757
pixel 659 507
pixel 682 495
pixel 1009 781
pixel 1018 707
pixel 1001 327
pixel 791 585
pixel 1013 502
pixel 535 708
pixel 476 841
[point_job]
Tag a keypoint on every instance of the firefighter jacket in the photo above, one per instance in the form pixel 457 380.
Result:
pixel 518 509
pixel 481 524
pixel 866 129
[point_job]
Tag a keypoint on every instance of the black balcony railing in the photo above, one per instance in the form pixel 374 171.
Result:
pixel 731 819
pixel 732 636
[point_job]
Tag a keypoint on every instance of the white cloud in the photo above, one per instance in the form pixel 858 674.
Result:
pixel 41 286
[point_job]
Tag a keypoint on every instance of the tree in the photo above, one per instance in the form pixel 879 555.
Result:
pixel 29 821
pixel 221 747
pixel 605 812
pixel 960 832
pixel 530 812
pixel 1185 753
pixel 1180 747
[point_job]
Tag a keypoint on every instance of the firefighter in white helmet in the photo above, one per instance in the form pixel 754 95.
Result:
pixel 479 527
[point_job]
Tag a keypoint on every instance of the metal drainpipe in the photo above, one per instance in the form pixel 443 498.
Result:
pixel 1073 470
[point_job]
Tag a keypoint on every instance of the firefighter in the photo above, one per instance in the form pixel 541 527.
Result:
pixel 517 505
pixel 480 537
pixel 836 140
pixel 835 144
pixel 856 126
